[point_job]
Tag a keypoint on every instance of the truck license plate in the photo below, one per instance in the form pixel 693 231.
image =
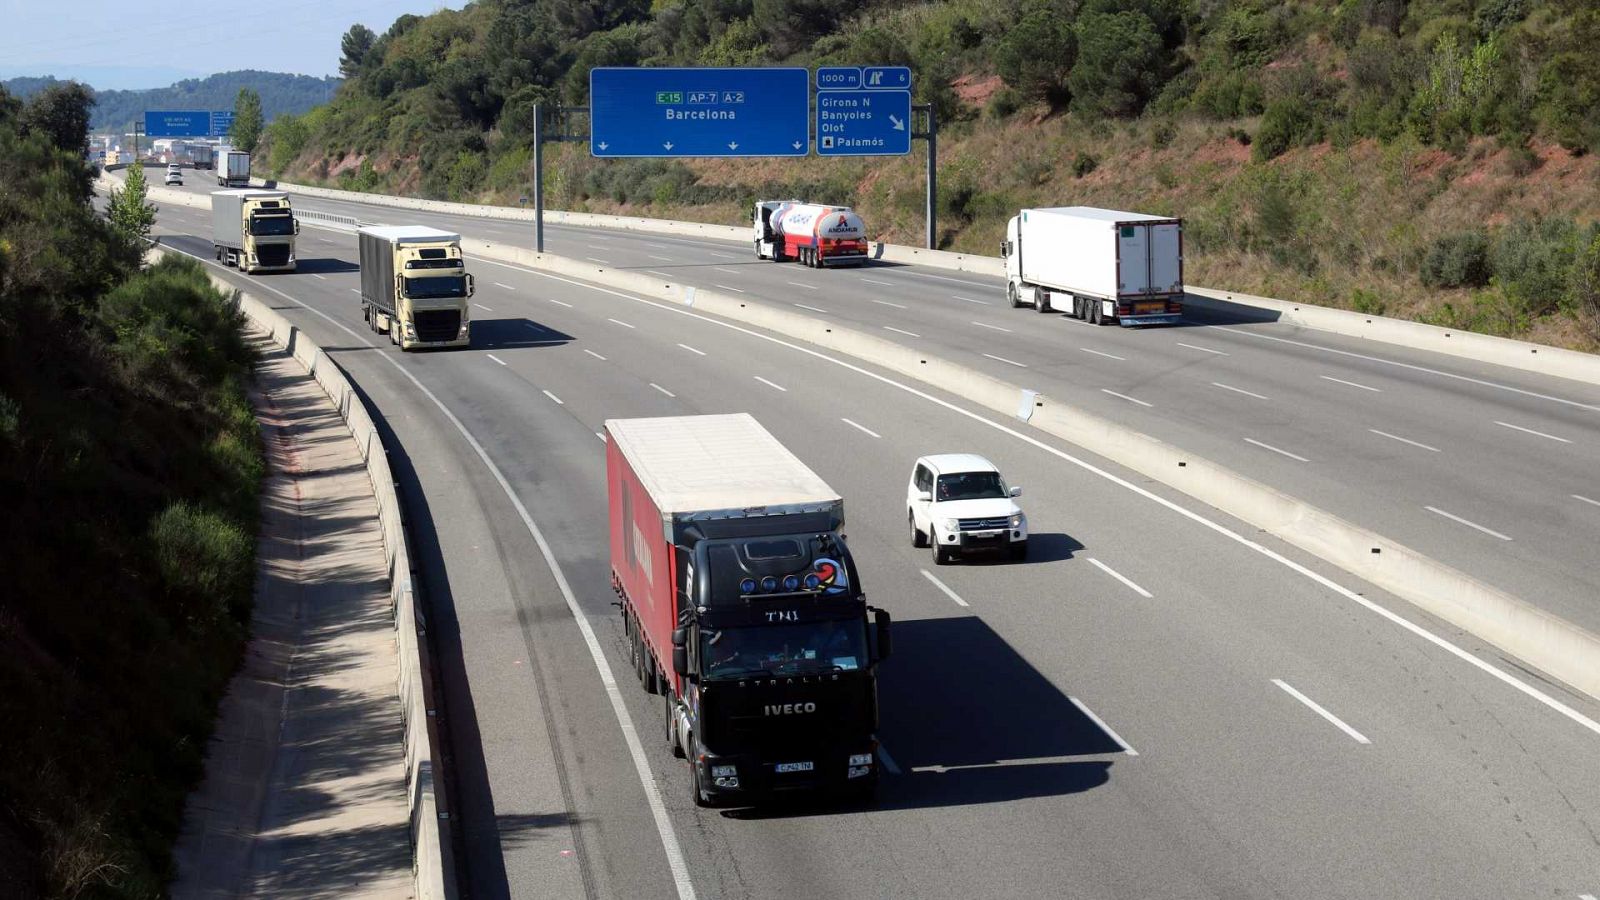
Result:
pixel 795 767
pixel 1144 309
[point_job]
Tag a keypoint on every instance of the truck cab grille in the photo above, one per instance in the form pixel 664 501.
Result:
pixel 438 324
pixel 272 254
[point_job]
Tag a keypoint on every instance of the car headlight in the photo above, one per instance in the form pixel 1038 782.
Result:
pixel 1017 520
pixel 861 759
pixel 950 524
pixel 724 771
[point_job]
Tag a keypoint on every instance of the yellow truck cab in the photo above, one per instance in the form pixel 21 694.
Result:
pixel 415 286
pixel 254 230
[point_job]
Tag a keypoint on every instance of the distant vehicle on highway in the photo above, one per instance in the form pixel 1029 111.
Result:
pixel 233 168
pixel 174 174
pixel 254 230
pixel 1100 265
pixel 415 285
pixel 957 503
pixel 816 235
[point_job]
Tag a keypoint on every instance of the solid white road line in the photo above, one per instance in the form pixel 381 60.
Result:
pixel 1120 577
pixel 1415 368
pixel 812 308
pixel 603 262
pixel 554 397
pixel 877 282
pixel 1276 450
pixel 1339 723
pixel 1350 384
pixel 901 331
pixel 484 308
pixel 1009 362
pixel 859 427
pixel 1125 397
pixel 893 769
pixel 693 350
pixel 1229 387
pixel 806 286
pixel 1454 518
pixel 1585 499
pixel 726 288
pixel 1203 349
pixel 506 286
pixel 315 275
pixel 1523 687
pixel 619 322
pixel 992 327
pixel 1402 440
pixel 594 354
pixel 1106 355
pixel 770 384
pixel 971 300
pixel 1531 431
pixel 887 303
pixel 1100 724
pixel 662 389
pixel 941 586
pixel 495 358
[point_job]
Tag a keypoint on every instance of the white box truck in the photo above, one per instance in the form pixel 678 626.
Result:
pixel 233 167
pixel 414 285
pixel 1100 265
pixel 254 230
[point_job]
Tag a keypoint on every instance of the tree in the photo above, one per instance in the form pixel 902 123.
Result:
pixel 61 113
pixel 1036 54
pixel 130 214
pixel 1122 62
pixel 247 122
pixel 354 47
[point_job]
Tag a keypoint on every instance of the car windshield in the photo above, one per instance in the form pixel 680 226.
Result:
pixel 827 646
pixel 271 225
pixel 970 486
pixel 437 286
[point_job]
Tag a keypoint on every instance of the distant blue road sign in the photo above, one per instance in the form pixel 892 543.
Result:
pixel 838 78
pixel 177 123
pixel 886 78
pixel 699 112
pixel 221 122
pixel 863 123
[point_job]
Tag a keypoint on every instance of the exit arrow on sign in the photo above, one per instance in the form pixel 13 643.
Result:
pixel 667 145
pixel 604 145
pixel 732 145
pixel 797 145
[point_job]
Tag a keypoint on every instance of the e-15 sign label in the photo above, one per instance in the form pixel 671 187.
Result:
pixel 669 96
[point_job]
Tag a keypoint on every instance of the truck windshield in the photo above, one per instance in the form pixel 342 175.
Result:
pixel 271 225
pixel 970 486
pixel 801 648
pixel 436 286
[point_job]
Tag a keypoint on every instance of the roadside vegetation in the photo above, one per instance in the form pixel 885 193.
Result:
pixel 129 460
pixel 1269 126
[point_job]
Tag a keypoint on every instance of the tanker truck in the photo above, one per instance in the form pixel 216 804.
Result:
pixel 812 233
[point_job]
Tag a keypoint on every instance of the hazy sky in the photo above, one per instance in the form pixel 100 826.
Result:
pixel 111 44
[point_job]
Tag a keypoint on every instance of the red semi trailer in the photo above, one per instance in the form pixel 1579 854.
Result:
pixel 743 608
pixel 814 234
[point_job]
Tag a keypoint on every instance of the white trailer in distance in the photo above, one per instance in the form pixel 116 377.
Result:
pixel 1100 265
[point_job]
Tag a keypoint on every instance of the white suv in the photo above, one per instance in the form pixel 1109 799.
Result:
pixel 174 174
pixel 958 503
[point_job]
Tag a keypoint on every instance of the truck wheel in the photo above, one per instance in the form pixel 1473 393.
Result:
pixel 700 798
pixel 672 726
pixel 777 252
pixel 1012 296
pixel 1094 312
pixel 918 539
pixel 1040 302
pixel 649 673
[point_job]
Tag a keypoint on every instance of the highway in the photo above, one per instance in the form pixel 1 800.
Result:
pixel 1489 470
pixel 1161 702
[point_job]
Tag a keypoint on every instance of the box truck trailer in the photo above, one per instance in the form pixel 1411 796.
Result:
pixel 202 156
pixel 415 286
pixel 744 608
pixel 812 233
pixel 254 230
pixel 1100 265
pixel 233 167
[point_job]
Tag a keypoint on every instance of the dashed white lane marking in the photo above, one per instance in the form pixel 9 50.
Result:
pixel 656 246
pixel 559 302
pixel 1120 577
pixel 661 258
pixel 943 587
pixel 594 354
pixel 859 427
pixel 1100 724
pixel 596 247
pixel 721 255
pixel 657 274
pixel 877 282
pixel 806 286
pixel 1350 384
pixel 693 350
pixel 901 331
pixel 1276 450
pixel 554 397
pixel 1455 518
pixel 662 389
pixel 812 308
pixel 887 303
pixel 603 262
pixel 771 384
pixel 726 288
pixel 355 290
pixel 1203 349
pixel 1106 355
pixel 503 285
pixel 1125 397
pixel 619 322
pixel 726 271
pixel 1586 499
pixel 1396 437
pixel 495 358
pixel 970 300
pixel 320 277
pixel 1009 362
pixel 1532 432
pixel 1229 387
pixel 482 307
pixel 992 327
pixel 1317 708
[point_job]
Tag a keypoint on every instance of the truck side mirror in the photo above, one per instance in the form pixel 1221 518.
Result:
pixel 880 618
pixel 680 651
pixel 1005 249
pixel 471 286
pixel 296 226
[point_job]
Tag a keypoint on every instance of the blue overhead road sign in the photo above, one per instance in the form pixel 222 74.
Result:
pixel 838 78
pixel 699 112
pixel 863 123
pixel 177 123
pixel 221 122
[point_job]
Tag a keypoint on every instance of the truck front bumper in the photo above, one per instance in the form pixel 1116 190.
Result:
pixel 746 777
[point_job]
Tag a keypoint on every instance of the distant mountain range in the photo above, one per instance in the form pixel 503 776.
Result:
pixel 119 110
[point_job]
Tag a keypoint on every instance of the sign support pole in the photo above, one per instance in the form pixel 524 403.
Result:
pixel 539 139
pixel 931 135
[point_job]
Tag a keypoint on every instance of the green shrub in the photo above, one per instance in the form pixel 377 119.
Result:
pixel 1585 289
pixel 1121 63
pixel 1036 55
pixel 1367 303
pixel 206 561
pixel 1533 264
pixel 1457 260
pixel 1289 122
pixel 1084 163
